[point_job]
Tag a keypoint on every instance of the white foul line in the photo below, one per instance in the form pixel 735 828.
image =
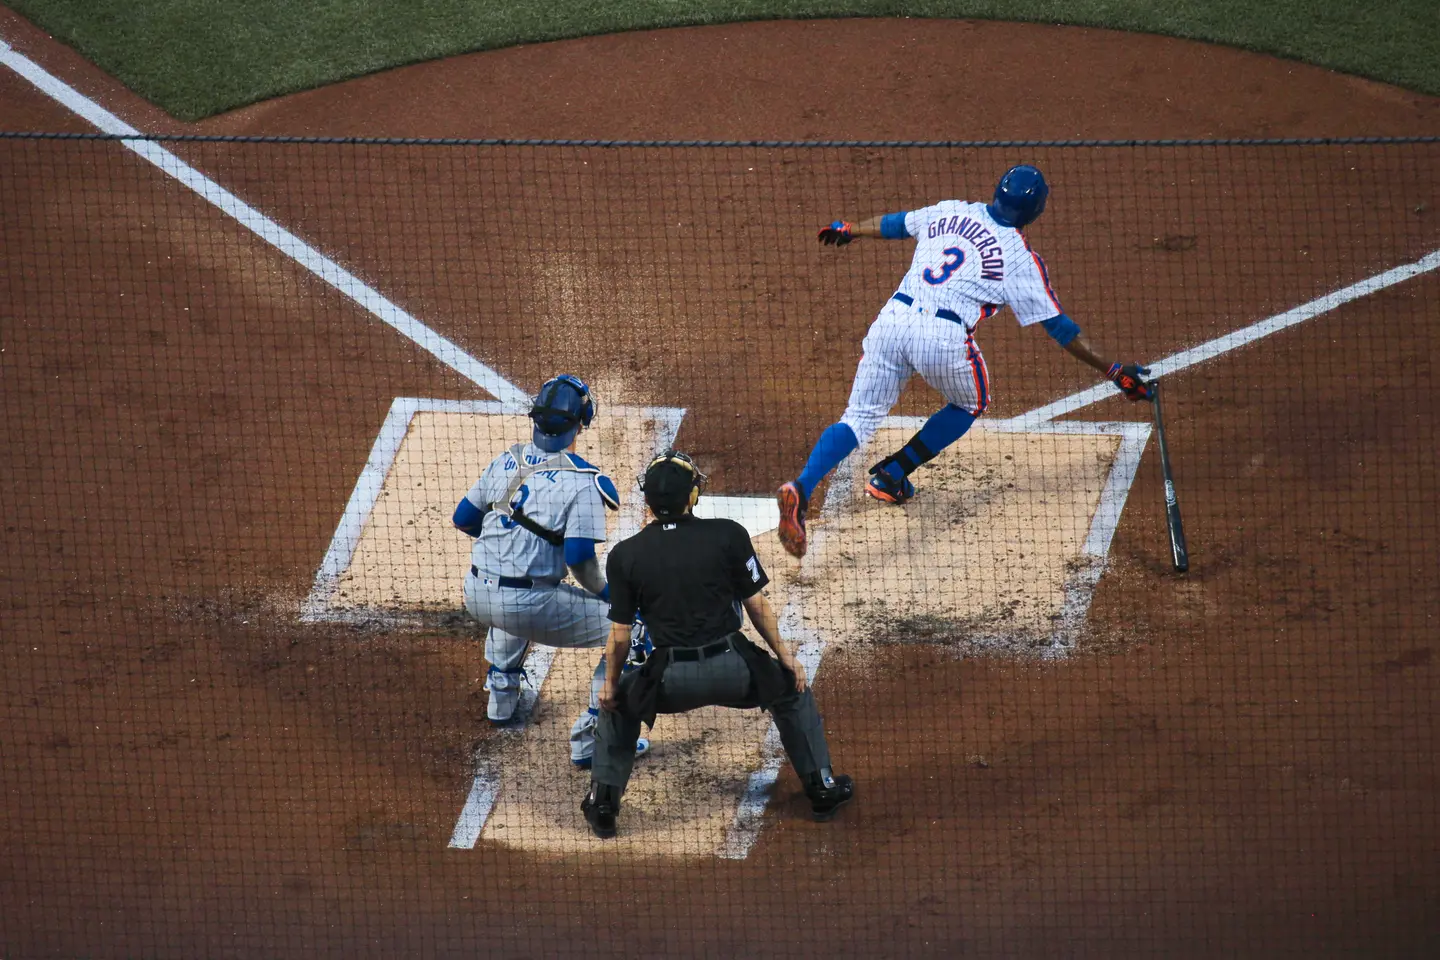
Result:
pixel 1239 338
pixel 287 243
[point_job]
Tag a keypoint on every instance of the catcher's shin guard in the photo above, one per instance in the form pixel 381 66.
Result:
pixel 504 689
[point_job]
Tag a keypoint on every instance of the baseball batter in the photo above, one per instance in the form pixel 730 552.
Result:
pixel 970 260
pixel 537 511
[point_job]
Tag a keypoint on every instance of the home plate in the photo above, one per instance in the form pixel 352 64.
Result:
pixel 756 514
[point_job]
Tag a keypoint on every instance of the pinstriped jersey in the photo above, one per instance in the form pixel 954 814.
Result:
pixel 968 263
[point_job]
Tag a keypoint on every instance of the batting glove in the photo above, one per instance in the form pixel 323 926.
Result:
pixel 838 233
pixel 1130 379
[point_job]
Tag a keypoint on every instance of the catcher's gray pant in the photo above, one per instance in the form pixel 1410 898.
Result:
pixel 722 681
pixel 556 616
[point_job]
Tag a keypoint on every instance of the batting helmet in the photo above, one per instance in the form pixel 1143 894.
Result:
pixel 1019 196
pixel 671 483
pixel 562 408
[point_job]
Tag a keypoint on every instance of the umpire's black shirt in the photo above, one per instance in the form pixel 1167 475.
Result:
pixel 686 578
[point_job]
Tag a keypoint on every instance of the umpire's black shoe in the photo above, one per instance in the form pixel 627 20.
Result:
pixel 600 807
pixel 828 794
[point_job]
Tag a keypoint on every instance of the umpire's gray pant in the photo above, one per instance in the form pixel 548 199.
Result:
pixel 722 681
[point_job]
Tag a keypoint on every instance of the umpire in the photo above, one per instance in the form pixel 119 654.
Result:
pixel 687 578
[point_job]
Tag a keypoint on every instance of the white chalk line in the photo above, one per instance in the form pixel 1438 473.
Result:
pixel 1236 339
pixel 317 606
pixel 306 256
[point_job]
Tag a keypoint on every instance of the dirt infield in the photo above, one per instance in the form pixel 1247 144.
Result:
pixel 1237 762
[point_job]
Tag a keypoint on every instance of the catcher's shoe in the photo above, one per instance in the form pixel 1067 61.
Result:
pixel 828 794
pixel 504 689
pixel 642 747
pixel 885 487
pixel 793 507
pixel 601 806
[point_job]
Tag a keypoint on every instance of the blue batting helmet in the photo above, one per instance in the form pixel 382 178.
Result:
pixel 562 408
pixel 1019 196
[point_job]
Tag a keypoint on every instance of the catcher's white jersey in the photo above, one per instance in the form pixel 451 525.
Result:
pixel 564 501
pixel 967 263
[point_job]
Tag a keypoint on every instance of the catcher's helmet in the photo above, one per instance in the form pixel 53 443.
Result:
pixel 671 483
pixel 562 408
pixel 1019 196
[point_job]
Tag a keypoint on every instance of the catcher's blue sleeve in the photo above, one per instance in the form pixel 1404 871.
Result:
pixel 578 550
pixel 468 517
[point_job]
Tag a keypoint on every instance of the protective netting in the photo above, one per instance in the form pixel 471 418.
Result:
pixel 245 384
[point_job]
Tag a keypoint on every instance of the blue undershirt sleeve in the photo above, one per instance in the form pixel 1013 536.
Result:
pixel 578 550
pixel 468 517
pixel 1062 328
pixel 892 226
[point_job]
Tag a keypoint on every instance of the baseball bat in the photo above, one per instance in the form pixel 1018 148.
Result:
pixel 1180 553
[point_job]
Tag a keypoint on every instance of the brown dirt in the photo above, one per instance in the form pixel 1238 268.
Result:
pixel 1242 762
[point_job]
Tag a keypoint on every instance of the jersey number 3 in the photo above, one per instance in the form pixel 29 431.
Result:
pixel 954 256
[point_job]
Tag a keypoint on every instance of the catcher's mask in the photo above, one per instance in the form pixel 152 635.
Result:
pixel 1019 196
pixel 562 408
pixel 671 484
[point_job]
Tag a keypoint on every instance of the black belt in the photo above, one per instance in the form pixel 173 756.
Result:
pixel 701 653
pixel 950 315
pixel 519 583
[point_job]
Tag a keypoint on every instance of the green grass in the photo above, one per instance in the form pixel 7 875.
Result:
pixel 196 58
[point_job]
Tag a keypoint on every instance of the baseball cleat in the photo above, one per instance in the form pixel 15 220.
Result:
pixel 642 747
pixel 828 796
pixel 888 490
pixel 793 506
pixel 885 486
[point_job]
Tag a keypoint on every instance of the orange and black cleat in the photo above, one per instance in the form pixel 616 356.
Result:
pixel 888 489
pixel 793 506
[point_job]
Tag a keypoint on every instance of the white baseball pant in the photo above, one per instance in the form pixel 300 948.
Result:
pixel 906 340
